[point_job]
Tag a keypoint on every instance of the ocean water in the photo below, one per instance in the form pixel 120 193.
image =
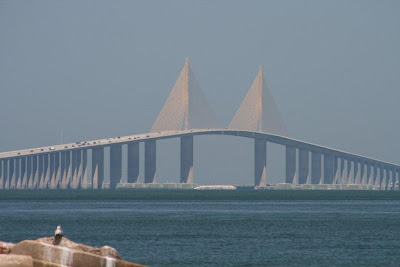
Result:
pixel 217 228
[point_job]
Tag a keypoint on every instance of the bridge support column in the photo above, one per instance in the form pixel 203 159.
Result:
pixel 187 159
pixel 304 170
pixel 342 171
pixel 398 179
pixel 150 161
pixel 328 169
pixel 349 172
pixel 17 179
pixel 4 174
pixel 35 174
pixel 260 162
pixel 369 173
pixel 63 170
pixel 363 173
pixel 23 184
pixel 375 175
pixel 291 165
pixel 57 174
pixel 46 171
pixel 382 178
pixel 389 179
pixel 356 173
pixel 133 162
pixel 84 184
pixel 51 175
pixel 11 173
pixel 28 184
pixel 115 165
pixel 1 175
pixel 393 171
pixel 316 168
pixel 97 167
pixel 74 173
pixel 336 171
pixel 6 182
pixel 68 169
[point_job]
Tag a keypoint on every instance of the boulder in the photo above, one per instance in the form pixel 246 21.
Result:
pixel 50 252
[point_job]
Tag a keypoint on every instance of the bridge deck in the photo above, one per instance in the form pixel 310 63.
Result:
pixel 282 140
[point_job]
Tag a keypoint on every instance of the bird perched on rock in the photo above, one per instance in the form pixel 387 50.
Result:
pixel 58 231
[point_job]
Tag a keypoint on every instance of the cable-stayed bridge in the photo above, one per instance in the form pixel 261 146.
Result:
pixel 186 114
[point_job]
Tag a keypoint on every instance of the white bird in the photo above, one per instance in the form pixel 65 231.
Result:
pixel 58 231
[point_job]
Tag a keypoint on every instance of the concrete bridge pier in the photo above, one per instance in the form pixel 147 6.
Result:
pixel 356 172
pixel 382 178
pixel 115 165
pixel 5 182
pixel 393 179
pixel 35 172
pixel 260 162
pixel 52 173
pixel 187 159
pixel 17 179
pixel 364 172
pixel 68 170
pixel 375 175
pixel 63 171
pixel 304 170
pixel 28 172
pixel 133 162
pixel 22 184
pixel 11 174
pixel 1 175
pixel 150 163
pixel 328 169
pixel 336 170
pixel 57 173
pixel 78 170
pixel 2 179
pixel 342 171
pixel 291 165
pixel 84 183
pixel 316 168
pixel 46 171
pixel 369 174
pixel 74 171
pixel 349 172
pixel 97 167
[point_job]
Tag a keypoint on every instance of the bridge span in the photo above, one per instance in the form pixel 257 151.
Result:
pixel 66 166
pixel 186 114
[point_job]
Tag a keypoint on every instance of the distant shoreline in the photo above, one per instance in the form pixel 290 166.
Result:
pixel 166 194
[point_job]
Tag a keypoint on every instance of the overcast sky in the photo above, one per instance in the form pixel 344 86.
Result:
pixel 94 69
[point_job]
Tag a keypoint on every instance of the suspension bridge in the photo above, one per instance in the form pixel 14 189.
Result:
pixel 186 114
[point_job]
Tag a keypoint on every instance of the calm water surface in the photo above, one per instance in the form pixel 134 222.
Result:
pixel 186 228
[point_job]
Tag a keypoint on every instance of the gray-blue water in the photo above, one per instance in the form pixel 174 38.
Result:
pixel 191 228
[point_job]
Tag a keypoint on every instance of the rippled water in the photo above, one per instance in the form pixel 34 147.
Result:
pixel 216 228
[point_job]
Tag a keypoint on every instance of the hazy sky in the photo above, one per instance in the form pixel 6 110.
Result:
pixel 96 69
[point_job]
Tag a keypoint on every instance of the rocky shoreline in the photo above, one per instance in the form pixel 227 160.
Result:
pixel 49 252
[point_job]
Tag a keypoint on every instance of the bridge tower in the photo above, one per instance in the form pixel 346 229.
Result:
pixel 186 108
pixel 258 112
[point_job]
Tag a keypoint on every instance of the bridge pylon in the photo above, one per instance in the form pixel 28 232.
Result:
pixel 186 106
pixel 258 111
